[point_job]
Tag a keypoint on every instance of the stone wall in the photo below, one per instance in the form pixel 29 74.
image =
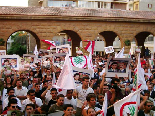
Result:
pixel 86 30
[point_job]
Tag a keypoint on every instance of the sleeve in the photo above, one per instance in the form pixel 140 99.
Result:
pixel 39 102
pixel 51 109
pixel 26 90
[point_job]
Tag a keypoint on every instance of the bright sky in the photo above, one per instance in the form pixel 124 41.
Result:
pixel 13 2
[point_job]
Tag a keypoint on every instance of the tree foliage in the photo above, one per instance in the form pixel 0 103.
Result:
pixel 19 46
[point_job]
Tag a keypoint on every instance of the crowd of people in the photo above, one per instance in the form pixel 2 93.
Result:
pixel 29 91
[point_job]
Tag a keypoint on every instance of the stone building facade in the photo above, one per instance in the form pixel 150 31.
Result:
pixel 79 24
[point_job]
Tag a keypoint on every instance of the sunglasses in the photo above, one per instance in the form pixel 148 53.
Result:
pixel 150 105
pixel 14 106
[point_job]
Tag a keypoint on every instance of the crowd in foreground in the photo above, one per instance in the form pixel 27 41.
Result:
pixel 28 91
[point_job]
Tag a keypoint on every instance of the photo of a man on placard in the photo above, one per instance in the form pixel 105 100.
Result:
pixel 122 67
pixel 113 67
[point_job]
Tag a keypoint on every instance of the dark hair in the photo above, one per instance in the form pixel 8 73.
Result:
pixel 44 109
pixel 76 74
pixel 6 61
pixel 83 79
pixel 99 95
pixel 37 84
pixel 9 89
pixel 12 101
pixel 11 97
pixel 54 89
pixel 30 91
pixel 67 105
pixel 60 95
pixel 31 105
pixel 69 90
pixel 89 96
pixel 45 81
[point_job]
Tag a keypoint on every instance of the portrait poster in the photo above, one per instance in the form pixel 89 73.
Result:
pixel 31 59
pixel 119 66
pixel 59 59
pixel 46 60
pixel 9 62
pixel 14 113
pixel 64 49
pixel 109 49
pixel 2 52
pixel 82 71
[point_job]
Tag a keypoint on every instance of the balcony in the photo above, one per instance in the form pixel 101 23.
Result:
pixel 120 1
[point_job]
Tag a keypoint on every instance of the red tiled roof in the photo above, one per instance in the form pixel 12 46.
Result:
pixel 76 12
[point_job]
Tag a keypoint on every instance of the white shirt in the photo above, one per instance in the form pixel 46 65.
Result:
pixel 72 102
pixel 6 101
pixel 21 92
pixel 28 101
pixel 82 93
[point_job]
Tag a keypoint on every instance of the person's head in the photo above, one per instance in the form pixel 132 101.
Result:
pixel 150 87
pixel 148 105
pixel 91 99
pixel 105 88
pixel 43 109
pixel 122 65
pixel 54 93
pixel 85 81
pixel 12 97
pixel 13 113
pixel 12 105
pixel 114 65
pixel 76 76
pixel 31 94
pixel 60 99
pixel 6 62
pixel 147 93
pixel 37 87
pixel 69 94
pixel 35 80
pixel 10 91
pixel 29 109
pixel 95 70
pixel 8 79
pixel 91 112
pixel 68 110
pixel 13 62
pixel 45 84
pixel 100 98
pixel 19 83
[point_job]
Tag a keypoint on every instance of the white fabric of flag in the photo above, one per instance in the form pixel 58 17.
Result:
pixel 79 61
pixel 120 54
pixel 139 81
pixel 36 51
pixel 53 80
pixel 66 80
pixel 105 105
pixel 128 105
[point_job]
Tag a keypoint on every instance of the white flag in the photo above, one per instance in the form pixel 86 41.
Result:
pixel 36 50
pixel 105 105
pixel 139 77
pixel 120 54
pixel 66 80
pixel 128 105
pixel 53 80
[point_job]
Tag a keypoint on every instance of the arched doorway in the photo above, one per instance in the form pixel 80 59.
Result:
pixel 110 38
pixel 22 42
pixel 68 37
pixel 144 39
